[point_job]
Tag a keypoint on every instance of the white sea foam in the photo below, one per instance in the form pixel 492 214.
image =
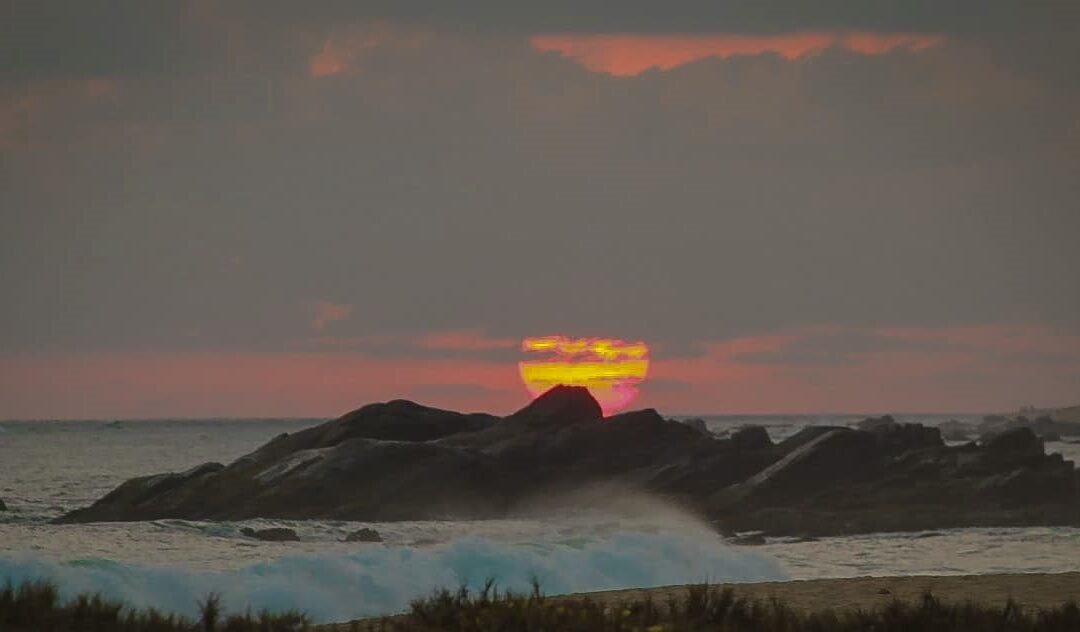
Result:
pixel 383 579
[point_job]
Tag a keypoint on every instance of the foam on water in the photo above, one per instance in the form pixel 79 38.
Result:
pixel 383 579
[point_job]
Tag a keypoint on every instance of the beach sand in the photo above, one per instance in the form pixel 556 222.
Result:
pixel 1031 590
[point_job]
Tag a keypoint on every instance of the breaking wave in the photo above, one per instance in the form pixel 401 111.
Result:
pixel 384 579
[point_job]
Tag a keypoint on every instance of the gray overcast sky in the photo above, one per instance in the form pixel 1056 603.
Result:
pixel 260 178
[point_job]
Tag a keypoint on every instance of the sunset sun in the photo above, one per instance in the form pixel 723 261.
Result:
pixel 611 369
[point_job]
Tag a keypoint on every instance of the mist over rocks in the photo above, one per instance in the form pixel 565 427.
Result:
pixel 403 461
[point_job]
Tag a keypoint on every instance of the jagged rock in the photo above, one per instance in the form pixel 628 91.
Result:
pixel 827 460
pixel 443 465
pixel 751 438
pixel 1013 445
pixel 273 534
pixel 364 535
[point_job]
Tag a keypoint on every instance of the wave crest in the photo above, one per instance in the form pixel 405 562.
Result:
pixel 381 580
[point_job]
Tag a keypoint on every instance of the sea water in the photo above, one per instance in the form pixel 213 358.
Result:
pixel 48 468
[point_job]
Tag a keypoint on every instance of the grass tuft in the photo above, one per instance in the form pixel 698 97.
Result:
pixel 705 608
pixel 36 607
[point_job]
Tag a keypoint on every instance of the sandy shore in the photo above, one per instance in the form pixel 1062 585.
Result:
pixel 1032 590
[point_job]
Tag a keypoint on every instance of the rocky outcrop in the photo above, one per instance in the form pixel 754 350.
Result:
pixel 273 534
pixel 443 465
pixel 697 423
pixel 751 438
pixel 366 534
pixel 953 430
pixel 1044 426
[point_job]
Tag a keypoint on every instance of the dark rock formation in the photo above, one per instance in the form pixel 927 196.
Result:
pixel 751 438
pixel 953 430
pixel 697 423
pixel 444 465
pixel 3 507
pixel 364 535
pixel 273 534
pixel 1044 426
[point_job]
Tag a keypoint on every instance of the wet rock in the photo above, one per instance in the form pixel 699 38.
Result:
pixel 272 534
pixel 364 535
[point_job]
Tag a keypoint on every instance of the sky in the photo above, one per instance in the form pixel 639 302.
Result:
pixel 272 208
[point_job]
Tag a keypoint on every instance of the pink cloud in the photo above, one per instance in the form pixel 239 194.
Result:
pixel 975 368
pixel 630 54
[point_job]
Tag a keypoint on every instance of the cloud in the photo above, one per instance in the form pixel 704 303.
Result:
pixel 987 368
pixel 631 54
pixel 449 177
pixel 461 343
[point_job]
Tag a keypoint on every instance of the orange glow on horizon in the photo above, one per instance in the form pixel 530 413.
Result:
pixel 627 55
pixel 610 369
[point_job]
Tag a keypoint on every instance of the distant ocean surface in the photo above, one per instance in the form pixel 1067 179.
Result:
pixel 50 467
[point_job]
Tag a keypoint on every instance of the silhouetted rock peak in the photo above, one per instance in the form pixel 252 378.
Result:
pixel 751 438
pixel 564 404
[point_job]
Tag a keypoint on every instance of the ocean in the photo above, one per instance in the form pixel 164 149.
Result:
pixel 50 467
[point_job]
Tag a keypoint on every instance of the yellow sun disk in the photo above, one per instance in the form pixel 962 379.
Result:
pixel 539 375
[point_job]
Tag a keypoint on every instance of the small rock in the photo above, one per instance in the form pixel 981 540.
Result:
pixel 364 535
pixel 884 591
pixel 750 539
pixel 273 534
pixel 3 507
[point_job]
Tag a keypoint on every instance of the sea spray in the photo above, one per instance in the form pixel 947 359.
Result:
pixel 383 579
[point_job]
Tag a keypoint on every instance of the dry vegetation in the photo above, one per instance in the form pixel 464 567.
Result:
pixel 36 607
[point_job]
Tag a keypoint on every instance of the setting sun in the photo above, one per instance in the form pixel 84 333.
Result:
pixel 610 369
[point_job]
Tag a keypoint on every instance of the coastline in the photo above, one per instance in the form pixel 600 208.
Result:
pixel 1033 591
